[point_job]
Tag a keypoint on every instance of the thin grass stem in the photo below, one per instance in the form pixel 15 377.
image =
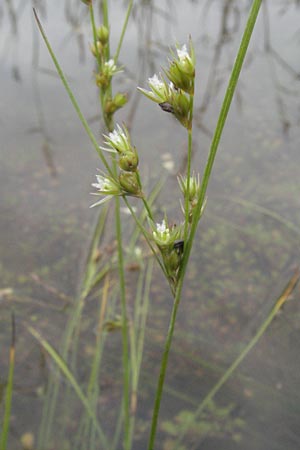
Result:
pixel 9 389
pixel 223 116
pixel 125 338
pixel 145 234
pixel 188 175
pixel 128 12
pixel 71 96
pixel 213 150
pixel 138 334
pixel 71 379
pixel 92 19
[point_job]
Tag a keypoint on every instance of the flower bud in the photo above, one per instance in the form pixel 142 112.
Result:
pixel 102 80
pixel 118 140
pixel 129 161
pixel 181 71
pixel 106 186
pixel 194 188
pixel 99 48
pixel 120 99
pixel 129 183
pixel 172 262
pixel 113 104
pixel 165 236
pixel 103 34
pixel 181 108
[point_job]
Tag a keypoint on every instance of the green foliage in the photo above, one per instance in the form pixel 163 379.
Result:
pixel 215 421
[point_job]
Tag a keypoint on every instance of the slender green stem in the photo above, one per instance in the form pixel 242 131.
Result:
pixel 188 171
pixel 73 382
pixel 139 331
pixel 106 24
pixel 129 8
pixel 164 363
pixel 223 116
pixel 213 150
pixel 9 390
pixel 262 329
pixel 92 19
pixel 145 234
pixel 72 97
pixel 125 344
pixel 146 204
pixel 143 216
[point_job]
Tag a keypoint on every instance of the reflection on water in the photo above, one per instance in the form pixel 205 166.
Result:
pixel 248 240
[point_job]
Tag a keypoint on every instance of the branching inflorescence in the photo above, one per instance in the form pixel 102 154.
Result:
pixel 174 93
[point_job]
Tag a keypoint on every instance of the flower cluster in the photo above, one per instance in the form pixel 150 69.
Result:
pixel 181 71
pixel 106 186
pixel 171 96
pixel 169 241
pixel 107 68
pixel 118 141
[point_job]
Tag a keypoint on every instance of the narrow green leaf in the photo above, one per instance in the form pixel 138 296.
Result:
pixel 71 379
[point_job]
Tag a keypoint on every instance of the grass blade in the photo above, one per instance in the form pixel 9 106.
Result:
pixel 71 95
pixel 71 379
pixel 9 389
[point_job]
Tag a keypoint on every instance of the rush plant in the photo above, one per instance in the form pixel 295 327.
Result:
pixel 120 178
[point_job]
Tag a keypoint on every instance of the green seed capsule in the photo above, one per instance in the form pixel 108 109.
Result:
pixel 103 34
pixel 129 161
pixel 129 182
pixel 172 261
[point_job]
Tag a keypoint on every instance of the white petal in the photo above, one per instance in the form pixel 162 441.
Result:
pixel 161 228
pixel 183 53
pixel 155 82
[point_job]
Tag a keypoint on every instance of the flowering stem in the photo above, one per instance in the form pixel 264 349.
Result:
pixel 92 19
pixel 214 146
pixel 106 24
pixel 164 364
pixel 188 175
pixel 147 206
pixel 109 122
pixel 107 91
pixel 125 343
pixel 144 232
pixel 222 117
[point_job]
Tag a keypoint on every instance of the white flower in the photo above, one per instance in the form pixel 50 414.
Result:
pixel 165 236
pixel 110 68
pixel 162 228
pixel 183 53
pixel 105 186
pixel 155 82
pixel 117 136
pixel 118 140
pixel 162 232
pixel 159 92
pixel 111 64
